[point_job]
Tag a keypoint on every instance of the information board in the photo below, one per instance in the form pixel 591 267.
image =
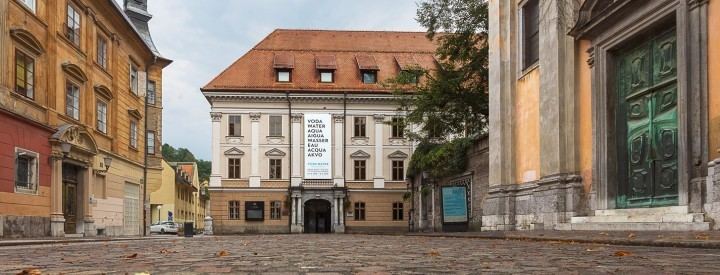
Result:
pixel 454 204
pixel 318 153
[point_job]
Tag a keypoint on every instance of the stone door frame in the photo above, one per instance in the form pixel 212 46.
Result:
pixel 614 28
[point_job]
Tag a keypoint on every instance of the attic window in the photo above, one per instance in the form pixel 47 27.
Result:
pixel 326 65
pixel 326 76
pixel 283 75
pixel 368 68
pixel 369 77
pixel 283 64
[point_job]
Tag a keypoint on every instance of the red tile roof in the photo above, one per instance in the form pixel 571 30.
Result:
pixel 306 51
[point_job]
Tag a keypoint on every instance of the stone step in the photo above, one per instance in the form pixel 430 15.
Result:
pixel 683 209
pixel 638 226
pixel 669 217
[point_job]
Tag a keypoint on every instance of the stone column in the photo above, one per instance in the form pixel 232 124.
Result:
pixel 255 150
pixel 87 191
pixel 57 220
pixel 3 40
pixel 557 100
pixel 296 226
pixel 297 156
pixel 420 206
pixel 339 157
pixel 379 179
pixel 215 175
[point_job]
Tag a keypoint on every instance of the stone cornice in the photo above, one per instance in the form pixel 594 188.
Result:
pixel 282 97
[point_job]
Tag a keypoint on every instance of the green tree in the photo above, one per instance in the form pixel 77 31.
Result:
pixel 171 154
pixel 450 103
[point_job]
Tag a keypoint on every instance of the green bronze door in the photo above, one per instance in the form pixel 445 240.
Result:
pixel 647 120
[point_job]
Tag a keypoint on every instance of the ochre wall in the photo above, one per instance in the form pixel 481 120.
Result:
pixel 378 210
pixel 714 77
pixel 223 225
pixel 526 130
pixel 583 109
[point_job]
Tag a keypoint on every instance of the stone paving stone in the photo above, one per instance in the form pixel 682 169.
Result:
pixel 353 254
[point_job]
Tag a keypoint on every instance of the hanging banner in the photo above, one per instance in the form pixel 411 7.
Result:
pixel 318 153
pixel 454 204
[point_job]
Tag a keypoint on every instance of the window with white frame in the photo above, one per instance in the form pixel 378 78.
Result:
pixel 150 142
pixel 134 78
pixel 133 133
pixel 151 93
pixel 30 4
pixel 72 100
pixel 26 171
pixel 275 126
pixel 102 51
pixel 234 126
pixel 275 210
pixel 72 25
pixel 102 116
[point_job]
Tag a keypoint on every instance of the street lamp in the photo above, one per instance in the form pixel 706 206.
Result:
pixel 107 161
pixel 158 208
pixel 65 148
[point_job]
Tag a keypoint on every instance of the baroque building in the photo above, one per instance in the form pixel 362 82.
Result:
pixel 180 197
pixel 305 138
pixel 603 115
pixel 80 105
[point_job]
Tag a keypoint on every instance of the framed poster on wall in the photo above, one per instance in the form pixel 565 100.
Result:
pixel 454 204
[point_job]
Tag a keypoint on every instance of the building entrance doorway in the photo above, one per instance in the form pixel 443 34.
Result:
pixel 648 124
pixel 69 197
pixel 317 216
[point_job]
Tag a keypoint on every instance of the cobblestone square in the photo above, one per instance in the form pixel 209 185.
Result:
pixel 351 254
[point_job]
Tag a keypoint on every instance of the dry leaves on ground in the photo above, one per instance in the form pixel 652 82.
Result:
pixel 30 271
pixel 131 256
pixel 593 249
pixel 604 233
pixel 166 251
pixel 703 237
pixel 222 253
pixel 622 253
pixel 434 253
pixel 631 236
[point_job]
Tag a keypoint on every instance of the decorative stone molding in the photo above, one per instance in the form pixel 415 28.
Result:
pixel 235 140
pixel 135 113
pixel 398 155
pixel 103 91
pixel 296 117
pixel 28 40
pixel 360 154
pixel 379 118
pixel 255 117
pixel 591 57
pixel 338 118
pixel 234 152
pixel 693 4
pixel 275 140
pixel 275 153
pixel 359 140
pixel 216 117
pixel 74 71
pixel 398 141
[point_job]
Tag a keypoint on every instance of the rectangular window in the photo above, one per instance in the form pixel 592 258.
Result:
pixel 102 51
pixel 102 116
pixel 275 210
pixel 133 133
pixel 72 25
pixel 150 142
pixel 326 76
pixel 397 211
pixel 284 76
pixel 411 77
pixel 359 123
pixel 531 33
pixel 369 77
pixel 134 88
pixel 360 169
pixel 398 127
pixel 275 169
pixel 234 126
pixel 30 4
pixel 398 170
pixel 72 100
pixel 359 211
pixel 26 171
pixel 234 210
pixel 276 126
pixel 254 210
pixel 234 168
pixel 24 74
pixel 150 93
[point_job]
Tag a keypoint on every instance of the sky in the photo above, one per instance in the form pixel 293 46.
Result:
pixel 203 37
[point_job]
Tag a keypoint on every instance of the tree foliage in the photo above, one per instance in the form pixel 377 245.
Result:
pixel 171 154
pixel 450 103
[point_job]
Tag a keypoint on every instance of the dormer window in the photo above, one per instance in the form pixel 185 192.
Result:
pixel 326 65
pixel 283 64
pixel 327 76
pixel 368 68
pixel 283 75
pixel 410 69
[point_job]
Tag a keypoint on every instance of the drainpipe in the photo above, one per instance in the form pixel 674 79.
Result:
pixel 145 170
pixel 287 97
pixel 344 154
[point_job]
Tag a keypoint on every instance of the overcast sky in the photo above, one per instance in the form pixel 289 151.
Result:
pixel 204 37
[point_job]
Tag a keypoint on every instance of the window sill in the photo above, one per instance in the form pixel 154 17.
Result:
pixel 134 149
pixel 26 191
pixel 28 100
pixel 71 44
pixel 106 135
pixel 68 118
pixel 526 71
pixel 103 69
pixel 31 12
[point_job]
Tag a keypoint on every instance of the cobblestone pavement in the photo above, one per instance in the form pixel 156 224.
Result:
pixel 350 254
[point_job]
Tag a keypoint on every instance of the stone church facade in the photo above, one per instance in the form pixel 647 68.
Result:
pixel 604 115
pixel 300 96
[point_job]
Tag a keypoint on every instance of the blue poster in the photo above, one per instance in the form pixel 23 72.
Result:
pixel 454 204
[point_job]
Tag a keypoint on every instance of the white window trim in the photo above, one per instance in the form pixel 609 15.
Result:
pixel 34 181
pixel 32 5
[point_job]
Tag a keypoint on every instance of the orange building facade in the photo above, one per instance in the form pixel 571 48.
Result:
pixel 604 115
pixel 80 105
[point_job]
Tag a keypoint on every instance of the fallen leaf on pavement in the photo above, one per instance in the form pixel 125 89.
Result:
pixel 702 237
pixel 604 233
pixel 131 256
pixel 622 253
pixel 30 271
pixel 592 249
pixel 222 253
pixel 434 253
pixel 166 251
pixel 631 235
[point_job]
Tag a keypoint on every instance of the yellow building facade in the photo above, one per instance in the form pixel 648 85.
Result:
pixel 604 115
pixel 178 198
pixel 88 74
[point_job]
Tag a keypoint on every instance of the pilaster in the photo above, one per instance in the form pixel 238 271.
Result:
pixel 379 179
pixel 57 220
pixel 255 149
pixel 87 190
pixel 3 40
pixel 339 160
pixel 215 176
pixel 296 177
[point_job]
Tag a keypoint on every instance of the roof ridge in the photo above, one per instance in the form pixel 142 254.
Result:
pixel 338 30
pixel 338 51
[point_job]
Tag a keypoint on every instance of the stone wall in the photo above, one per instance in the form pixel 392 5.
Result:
pixel 712 195
pixel 24 227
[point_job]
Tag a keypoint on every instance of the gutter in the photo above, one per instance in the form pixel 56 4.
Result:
pixel 287 97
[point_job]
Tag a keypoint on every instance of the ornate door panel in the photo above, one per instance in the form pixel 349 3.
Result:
pixel 70 207
pixel 647 117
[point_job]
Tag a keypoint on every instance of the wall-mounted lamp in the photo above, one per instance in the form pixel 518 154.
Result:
pixel 65 148
pixel 107 161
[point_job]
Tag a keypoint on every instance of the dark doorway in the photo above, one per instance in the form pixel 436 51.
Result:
pixel 69 197
pixel 317 216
